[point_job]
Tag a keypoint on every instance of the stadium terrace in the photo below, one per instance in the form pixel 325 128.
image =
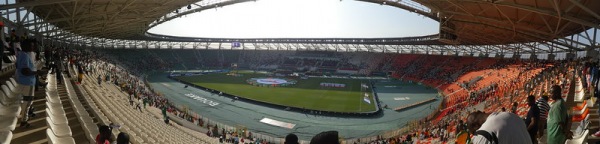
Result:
pixel 80 71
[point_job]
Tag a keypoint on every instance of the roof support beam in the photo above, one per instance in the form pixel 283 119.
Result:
pixel 33 3
pixel 26 15
pixel 550 13
pixel 531 35
pixel 584 8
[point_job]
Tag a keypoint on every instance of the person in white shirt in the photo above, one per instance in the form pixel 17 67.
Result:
pixel 497 128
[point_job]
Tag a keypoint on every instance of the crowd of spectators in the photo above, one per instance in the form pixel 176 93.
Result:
pixel 503 82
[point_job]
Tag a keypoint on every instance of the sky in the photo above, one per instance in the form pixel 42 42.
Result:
pixel 300 19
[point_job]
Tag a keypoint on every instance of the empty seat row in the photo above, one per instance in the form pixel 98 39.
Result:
pixel 95 109
pixel 10 108
pixel 581 116
pixel 87 123
pixel 141 126
pixel 7 67
pixel 90 129
pixel 111 119
pixel 58 130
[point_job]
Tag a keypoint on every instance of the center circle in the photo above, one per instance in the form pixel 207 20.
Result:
pixel 271 81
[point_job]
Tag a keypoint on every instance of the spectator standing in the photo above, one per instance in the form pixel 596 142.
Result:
pixel 163 110
pixel 99 79
pixel 3 44
pixel 544 107
pixel 48 56
pixel 558 131
pixel 26 71
pixel 459 127
pixel 104 135
pixel 58 63
pixel 79 74
pixel 514 108
pixel 139 104
pixel 532 119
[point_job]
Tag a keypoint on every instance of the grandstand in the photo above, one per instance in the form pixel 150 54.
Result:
pixel 113 72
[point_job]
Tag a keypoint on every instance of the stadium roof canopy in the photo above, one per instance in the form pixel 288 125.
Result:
pixel 512 25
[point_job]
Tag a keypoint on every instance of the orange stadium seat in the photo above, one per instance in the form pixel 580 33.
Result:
pixel 578 118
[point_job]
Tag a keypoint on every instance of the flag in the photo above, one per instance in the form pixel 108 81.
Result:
pixel 364 86
pixel 236 44
pixel 367 100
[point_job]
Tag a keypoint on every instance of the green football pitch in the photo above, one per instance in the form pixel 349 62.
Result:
pixel 306 93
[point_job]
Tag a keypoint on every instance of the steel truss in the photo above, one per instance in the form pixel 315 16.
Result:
pixel 20 17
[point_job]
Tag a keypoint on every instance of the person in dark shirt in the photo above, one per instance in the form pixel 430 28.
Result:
pixel 104 135
pixel 514 108
pixel 291 139
pixel 459 127
pixel 123 138
pixel 326 137
pixel 532 119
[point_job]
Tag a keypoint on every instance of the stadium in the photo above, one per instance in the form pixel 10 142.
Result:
pixel 127 71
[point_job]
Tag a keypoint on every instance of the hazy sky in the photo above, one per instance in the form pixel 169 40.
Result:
pixel 300 19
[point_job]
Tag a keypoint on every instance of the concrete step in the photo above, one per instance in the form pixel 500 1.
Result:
pixel 74 124
pixel 593 114
pixel 594 122
pixel 593 139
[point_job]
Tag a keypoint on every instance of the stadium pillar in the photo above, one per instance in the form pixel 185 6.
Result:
pixel 499 56
pixel 571 56
pixel 516 56
pixel 591 53
pixel 551 56
pixel 533 57
pixel 484 55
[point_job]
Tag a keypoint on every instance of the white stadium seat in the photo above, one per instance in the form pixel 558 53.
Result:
pixel 10 110
pixel 53 99
pixel 57 119
pixel 5 137
pixel 8 123
pixel 59 130
pixel 53 139
pixel 8 91
pixel 5 100
pixel 13 81
pixel 55 109
pixel 145 129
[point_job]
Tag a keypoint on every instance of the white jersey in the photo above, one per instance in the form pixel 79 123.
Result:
pixel 508 127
